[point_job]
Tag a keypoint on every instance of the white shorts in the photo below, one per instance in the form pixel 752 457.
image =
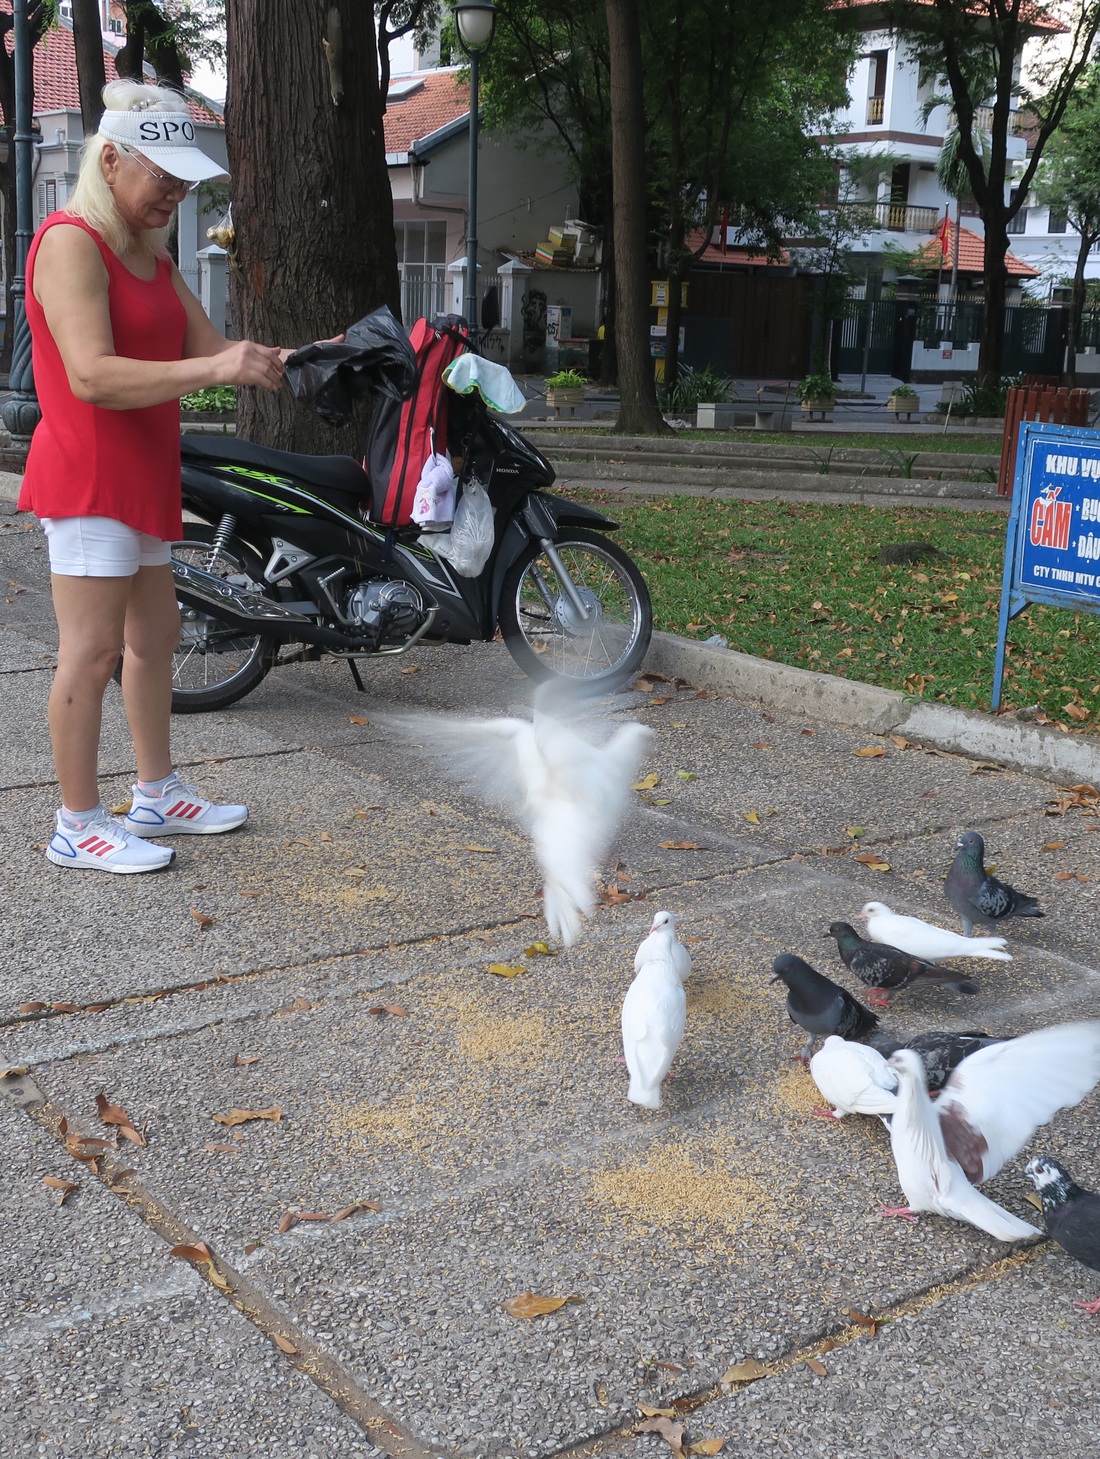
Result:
pixel 100 547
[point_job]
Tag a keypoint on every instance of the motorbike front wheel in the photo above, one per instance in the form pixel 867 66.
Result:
pixel 545 633
pixel 215 664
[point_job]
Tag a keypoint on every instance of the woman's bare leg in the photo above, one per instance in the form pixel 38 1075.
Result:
pixel 152 631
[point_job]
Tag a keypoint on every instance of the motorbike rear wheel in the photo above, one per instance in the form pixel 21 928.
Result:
pixel 216 664
pixel 542 629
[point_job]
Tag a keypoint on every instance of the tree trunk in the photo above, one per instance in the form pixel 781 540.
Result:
pixel 91 73
pixel 638 413
pixel 991 345
pixel 1077 306
pixel 312 212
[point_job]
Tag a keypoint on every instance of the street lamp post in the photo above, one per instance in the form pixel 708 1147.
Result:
pixel 21 412
pixel 474 22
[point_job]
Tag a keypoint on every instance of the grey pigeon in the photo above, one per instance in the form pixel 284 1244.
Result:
pixel 819 1005
pixel 1072 1216
pixel 939 1052
pixel 885 969
pixel 975 894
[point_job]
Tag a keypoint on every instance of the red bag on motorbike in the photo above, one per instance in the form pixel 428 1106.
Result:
pixel 401 432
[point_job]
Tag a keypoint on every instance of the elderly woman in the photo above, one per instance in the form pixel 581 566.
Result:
pixel 118 338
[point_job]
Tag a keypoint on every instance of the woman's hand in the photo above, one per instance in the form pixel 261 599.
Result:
pixel 248 363
pixel 335 339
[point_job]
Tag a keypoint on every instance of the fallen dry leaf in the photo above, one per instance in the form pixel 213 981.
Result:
pixel 394 1008
pixel 111 1114
pixel 746 1371
pixel 540 949
pixel 1033 1198
pixel 342 1215
pixel 218 1280
pixel 481 850
pixel 855 832
pixel 411 669
pixel 900 741
pixel 287 1221
pixel 505 970
pixel 643 686
pixel 201 918
pixel 223 1149
pixel 707 1446
pixel 66 1187
pixel 681 846
pixel 761 745
pixel 815 1365
pixel 1075 711
pixel 244 1116
pixel 135 1137
pixel 648 782
pixel 64 1007
pixel 1053 846
pixel 649 1412
pixel 527 1304
pixel 1069 876
pixel 673 1434
pixel 869 752
pixel 861 1320
pixel 32 1007
pixel 198 1252
pixel 751 817
pixel 358 719
pixel 241 1060
pixel 284 1344
pixel 300 1005
pixel 14 1072
pixel 875 863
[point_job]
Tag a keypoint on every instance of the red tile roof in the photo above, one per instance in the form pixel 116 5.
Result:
pixel 440 98
pixel 1031 13
pixel 734 254
pixel 972 254
pixel 55 83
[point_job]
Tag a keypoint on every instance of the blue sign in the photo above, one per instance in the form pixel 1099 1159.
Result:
pixel 1052 554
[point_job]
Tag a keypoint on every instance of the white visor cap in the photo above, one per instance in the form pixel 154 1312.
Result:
pixel 166 138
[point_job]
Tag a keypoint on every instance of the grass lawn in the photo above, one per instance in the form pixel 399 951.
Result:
pixel 802 584
pixel 954 442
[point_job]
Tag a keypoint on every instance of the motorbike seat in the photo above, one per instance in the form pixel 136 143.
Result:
pixel 338 478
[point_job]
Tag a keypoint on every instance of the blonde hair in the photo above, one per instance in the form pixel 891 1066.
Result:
pixel 92 199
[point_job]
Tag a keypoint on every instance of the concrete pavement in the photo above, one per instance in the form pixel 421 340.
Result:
pixel 484 1116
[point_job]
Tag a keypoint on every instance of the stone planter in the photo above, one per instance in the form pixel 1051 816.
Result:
pixel 565 397
pixel 903 405
pixel 821 407
pixel 715 416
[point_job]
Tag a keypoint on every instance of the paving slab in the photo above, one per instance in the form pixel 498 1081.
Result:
pixel 108 1346
pixel 344 982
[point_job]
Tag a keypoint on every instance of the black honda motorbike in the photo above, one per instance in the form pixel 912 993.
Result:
pixel 290 563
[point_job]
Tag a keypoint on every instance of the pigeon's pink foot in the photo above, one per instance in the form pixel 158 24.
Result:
pixel 823 1114
pixel 878 998
pixel 903 1212
pixel 1092 1308
pixel 620 1059
pixel 801 1059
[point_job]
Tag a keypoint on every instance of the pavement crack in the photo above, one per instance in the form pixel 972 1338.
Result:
pixel 294 1345
pixel 613 1440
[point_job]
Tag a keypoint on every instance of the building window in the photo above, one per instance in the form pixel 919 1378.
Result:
pixel 1056 221
pixel 876 100
pixel 422 265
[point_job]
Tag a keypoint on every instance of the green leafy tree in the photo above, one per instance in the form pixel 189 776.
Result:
pixel 976 47
pixel 1069 182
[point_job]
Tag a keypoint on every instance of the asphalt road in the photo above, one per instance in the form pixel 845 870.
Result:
pixel 479 1129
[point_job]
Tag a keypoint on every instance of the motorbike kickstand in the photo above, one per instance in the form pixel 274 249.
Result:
pixel 354 667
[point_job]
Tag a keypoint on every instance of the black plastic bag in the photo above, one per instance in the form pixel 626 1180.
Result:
pixel 374 358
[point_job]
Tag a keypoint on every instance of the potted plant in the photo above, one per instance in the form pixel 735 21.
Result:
pixel 817 393
pixel 902 401
pixel 565 388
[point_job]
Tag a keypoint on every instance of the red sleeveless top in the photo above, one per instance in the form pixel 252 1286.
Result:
pixel 84 460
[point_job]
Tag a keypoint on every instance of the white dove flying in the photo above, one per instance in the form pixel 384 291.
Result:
pixel 568 791
pixel 855 1079
pixel 989 1109
pixel 922 939
pixel 654 1014
pixel 662 941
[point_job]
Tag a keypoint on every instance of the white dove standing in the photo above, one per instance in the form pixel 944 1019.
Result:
pixel 654 1014
pixel 662 940
pixel 569 792
pixel 988 1110
pixel 924 940
pixel 855 1079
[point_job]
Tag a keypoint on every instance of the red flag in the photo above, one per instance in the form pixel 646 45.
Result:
pixel 944 238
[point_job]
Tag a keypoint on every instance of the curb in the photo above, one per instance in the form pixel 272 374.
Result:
pixel 1049 753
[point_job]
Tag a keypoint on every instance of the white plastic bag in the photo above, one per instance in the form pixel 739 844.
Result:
pixel 469 542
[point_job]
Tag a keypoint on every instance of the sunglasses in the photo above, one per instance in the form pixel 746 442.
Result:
pixel 164 180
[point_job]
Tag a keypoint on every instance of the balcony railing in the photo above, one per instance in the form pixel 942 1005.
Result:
pixel 901 218
pixel 875 108
pixel 983 120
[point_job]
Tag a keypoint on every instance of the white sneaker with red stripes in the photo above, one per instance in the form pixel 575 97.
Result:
pixel 179 810
pixel 98 842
